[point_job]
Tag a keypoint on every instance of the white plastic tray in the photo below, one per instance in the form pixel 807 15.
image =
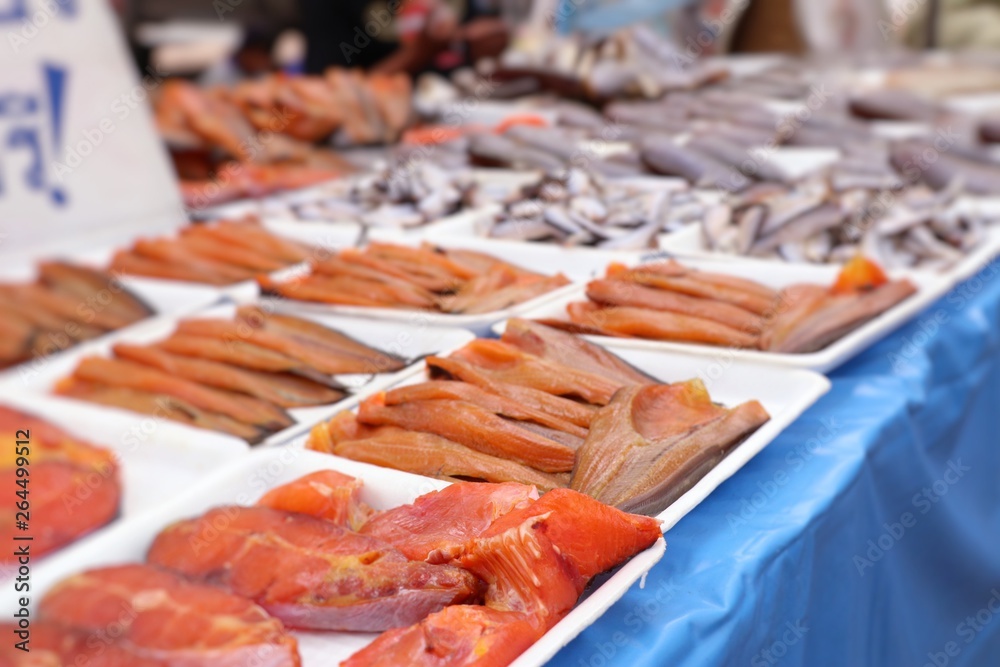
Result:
pixel 410 340
pixel 786 394
pixel 245 482
pixel 777 276
pixel 576 264
pixel 157 458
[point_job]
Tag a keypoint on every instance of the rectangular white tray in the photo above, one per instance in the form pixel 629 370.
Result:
pixel 157 458
pixel 574 263
pixel 244 482
pixel 412 342
pixel 784 392
pixel 777 276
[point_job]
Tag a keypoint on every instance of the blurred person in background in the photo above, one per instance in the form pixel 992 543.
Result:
pixel 400 35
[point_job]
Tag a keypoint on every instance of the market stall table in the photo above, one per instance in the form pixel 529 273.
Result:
pixel 866 534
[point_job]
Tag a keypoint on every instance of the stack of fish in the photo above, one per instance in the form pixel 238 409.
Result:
pixel 447 280
pixel 578 208
pixel 219 253
pixel 234 376
pixel 670 302
pixel 550 409
pixel 485 570
pixel 405 196
pixel 364 109
pixel 74 487
pixel 67 304
pixel 873 214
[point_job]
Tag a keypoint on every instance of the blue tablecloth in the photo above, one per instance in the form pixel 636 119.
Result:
pixel 868 533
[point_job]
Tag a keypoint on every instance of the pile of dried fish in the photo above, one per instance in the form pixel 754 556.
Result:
pixel 236 376
pixel 67 304
pixel 578 208
pixel 668 301
pixel 448 280
pixel 218 253
pixel 547 408
pixel 633 62
pixel 405 196
pixel 871 214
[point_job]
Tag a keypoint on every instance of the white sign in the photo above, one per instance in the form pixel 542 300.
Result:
pixel 81 165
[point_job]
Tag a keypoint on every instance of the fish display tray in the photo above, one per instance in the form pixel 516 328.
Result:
pixel 787 393
pixel 777 276
pixel 688 243
pixel 245 481
pixel 576 264
pixel 411 340
pixel 157 458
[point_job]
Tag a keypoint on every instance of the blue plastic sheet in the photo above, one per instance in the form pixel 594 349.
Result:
pixel 868 533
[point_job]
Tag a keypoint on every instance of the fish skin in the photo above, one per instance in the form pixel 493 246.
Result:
pixel 47 321
pixel 408 292
pixel 222 251
pixel 93 287
pixel 797 303
pixel 556 406
pixel 507 363
pixel 654 442
pixel 63 467
pixel 158 405
pixel 700 286
pixel 127 262
pixel 436 526
pixel 657 325
pixel 457 636
pixel 614 293
pixel 434 456
pixel 310 573
pixel 251 235
pixel 307 353
pixel 67 307
pixel 168 250
pixel 498 405
pixel 166 620
pixel 673 268
pixel 236 352
pixel 325 494
pixel 130 375
pixel 839 315
pixel 472 426
pixel 281 389
pixel 334 341
pixel 338 291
